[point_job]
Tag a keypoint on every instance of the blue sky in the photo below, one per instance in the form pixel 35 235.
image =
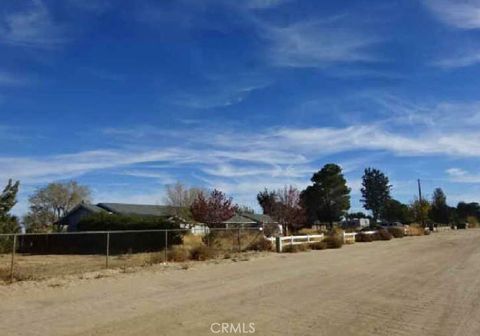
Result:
pixel 127 97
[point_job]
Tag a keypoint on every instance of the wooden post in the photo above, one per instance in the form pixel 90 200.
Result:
pixel 107 254
pixel 278 244
pixel 239 242
pixel 166 246
pixel 12 264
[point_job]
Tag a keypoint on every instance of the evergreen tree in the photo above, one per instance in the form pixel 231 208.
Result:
pixel 439 212
pixel 8 199
pixel 375 191
pixel 328 199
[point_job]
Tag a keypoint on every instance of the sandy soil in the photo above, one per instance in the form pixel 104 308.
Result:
pixel 413 286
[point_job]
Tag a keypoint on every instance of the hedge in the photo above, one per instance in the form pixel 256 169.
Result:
pixel 120 242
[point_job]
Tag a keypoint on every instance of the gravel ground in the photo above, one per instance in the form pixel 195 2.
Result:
pixel 412 286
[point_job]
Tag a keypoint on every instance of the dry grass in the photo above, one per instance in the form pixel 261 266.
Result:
pixel 319 246
pixel 306 231
pixel 415 230
pixel 296 248
pixel 202 253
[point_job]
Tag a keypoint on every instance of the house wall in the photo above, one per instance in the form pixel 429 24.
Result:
pixel 75 217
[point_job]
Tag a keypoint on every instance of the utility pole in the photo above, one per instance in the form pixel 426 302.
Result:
pixel 419 190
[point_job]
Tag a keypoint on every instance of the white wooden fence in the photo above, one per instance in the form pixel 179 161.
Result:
pixel 349 237
pixel 295 240
pixel 280 242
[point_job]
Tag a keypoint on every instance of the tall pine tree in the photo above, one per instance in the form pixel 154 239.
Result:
pixel 328 199
pixel 375 191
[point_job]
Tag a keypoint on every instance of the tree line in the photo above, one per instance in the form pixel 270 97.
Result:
pixel 325 201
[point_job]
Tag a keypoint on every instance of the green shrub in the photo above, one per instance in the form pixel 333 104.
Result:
pixel 321 245
pixel 260 244
pixel 363 237
pixel 396 231
pixel 202 253
pixel 333 242
pixel 112 222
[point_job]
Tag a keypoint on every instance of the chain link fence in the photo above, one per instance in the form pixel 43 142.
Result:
pixel 43 255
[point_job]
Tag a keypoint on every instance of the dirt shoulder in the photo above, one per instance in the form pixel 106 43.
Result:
pixel 411 286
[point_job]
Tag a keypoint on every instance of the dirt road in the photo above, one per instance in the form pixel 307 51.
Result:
pixel 412 286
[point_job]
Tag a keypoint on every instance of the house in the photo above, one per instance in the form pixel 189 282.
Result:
pixel 241 220
pixel 71 220
pixel 249 220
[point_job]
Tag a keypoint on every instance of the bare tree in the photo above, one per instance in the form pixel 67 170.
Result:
pixel 180 198
pixel 54 201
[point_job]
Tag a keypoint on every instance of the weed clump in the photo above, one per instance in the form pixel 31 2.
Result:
pixel 321 245
pixel 396 231
pixel 333 242
pixel 261 244
pixel 362 237
pixel 295 248
pixel 202 253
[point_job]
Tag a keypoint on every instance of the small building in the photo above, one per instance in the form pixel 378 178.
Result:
pixel 249 220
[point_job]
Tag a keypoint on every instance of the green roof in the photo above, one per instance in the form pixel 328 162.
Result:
pixel 238 219
pixel 137 209
pixel 248 218
pixel 265 219
pixel 91 207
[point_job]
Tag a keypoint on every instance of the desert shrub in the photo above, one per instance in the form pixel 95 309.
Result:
pixel 472 221
pixel 363 237
pixel 221 239
pixel 271 229
pixel 260 244
pixel 202 253
pixel 333 241
pixel 295 248
pixel 396 231
pixel 156 258
pixel 321 245
pixel 336 231
pixel 178 254
pixel 307 231
pixel 383 234
pixel 415 230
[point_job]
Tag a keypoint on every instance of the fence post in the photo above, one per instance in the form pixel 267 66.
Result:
pixel 239 243
pixel 12 265
pixel 107 254
pixel 166 245
pixel 278 244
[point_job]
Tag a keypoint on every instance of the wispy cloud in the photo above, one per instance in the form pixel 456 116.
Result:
pixel 32 27
pixel 10 79
pixel 263 4
pixel 462 176
pixel 467 58
pixel 463 14
pixel 317 44
pixel 220 91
